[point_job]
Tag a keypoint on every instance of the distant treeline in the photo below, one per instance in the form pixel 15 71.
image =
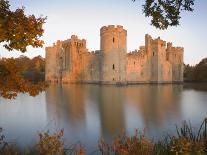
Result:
pixel 197 73
pixel 33 69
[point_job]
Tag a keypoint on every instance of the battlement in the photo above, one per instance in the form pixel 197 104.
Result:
pixel 159 41
pixel 169 45
pixel 135 52
pixel 74 40
pixel 112 28
pixel 57 44
pixel 148 38
pixel 74 37
pixel 142 48
pixel 171 48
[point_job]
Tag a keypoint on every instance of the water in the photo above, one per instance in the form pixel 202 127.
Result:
pixel 89 112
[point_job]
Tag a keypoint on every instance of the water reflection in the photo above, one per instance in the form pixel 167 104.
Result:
pixel 66 108
pixel 115 107
pixel 156 104
pixel 88 112
pixel 70 103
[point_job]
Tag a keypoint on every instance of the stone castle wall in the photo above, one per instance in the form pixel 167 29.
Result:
pixel 70 61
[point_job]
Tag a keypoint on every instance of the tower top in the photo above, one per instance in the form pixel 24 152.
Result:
pixel 112 28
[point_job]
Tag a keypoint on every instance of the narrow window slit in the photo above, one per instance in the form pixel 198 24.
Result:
pixel 113 67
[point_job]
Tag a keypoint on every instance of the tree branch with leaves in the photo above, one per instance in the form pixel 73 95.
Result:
pixel 18 30
pixel 165 13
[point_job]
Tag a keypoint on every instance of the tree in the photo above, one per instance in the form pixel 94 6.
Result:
pixel 200 71
pixel 166 13
pixel 188 72
pixel 12 82
pixel 197 73
pixel 18 31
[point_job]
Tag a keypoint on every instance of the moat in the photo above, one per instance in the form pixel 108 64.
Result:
pixel 88 112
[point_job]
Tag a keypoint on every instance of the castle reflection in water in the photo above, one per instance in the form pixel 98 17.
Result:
pixel 89 112
pixel 93 111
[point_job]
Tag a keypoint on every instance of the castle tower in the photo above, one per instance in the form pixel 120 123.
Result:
pixel 159 68
pixel 53 63
pixel 175 57
pixel 74 49
pixel 113 50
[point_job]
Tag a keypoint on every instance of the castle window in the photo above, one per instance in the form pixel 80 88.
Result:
pixel 153 53
pixel 113 79
pixel 113 67
pixel 134 62
pixel 113 40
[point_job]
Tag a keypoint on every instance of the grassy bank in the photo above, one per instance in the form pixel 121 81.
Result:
pixel 188 141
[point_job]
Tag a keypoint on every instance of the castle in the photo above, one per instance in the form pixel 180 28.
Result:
pixel 70 61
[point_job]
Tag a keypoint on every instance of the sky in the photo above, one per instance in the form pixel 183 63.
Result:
pixel 85 18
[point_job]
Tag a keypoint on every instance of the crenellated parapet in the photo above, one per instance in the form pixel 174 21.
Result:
pixel 174 54
pixel 159 41
pixel 137 52
pixel 112 29
pixel 74 41
pixel 154 46
pixel 171 48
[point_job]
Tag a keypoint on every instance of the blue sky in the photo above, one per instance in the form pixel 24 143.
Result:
pixel 85 18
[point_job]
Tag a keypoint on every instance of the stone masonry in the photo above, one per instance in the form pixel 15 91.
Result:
pixel 70 61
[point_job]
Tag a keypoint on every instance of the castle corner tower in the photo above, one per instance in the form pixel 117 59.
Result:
pixel 113 49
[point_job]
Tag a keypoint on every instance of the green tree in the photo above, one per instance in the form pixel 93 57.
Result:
pixel 188 72
pixel 200 71
pixel 166 13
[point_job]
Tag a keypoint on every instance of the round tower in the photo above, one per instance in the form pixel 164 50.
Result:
pixel 113 38
pixel 114 50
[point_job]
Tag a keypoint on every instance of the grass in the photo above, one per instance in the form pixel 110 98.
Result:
pixel 188 141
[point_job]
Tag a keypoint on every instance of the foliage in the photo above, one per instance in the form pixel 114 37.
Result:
pixel 188 72
pixel 5 147
pixel 188 141
pixel 126 145
pixel 18 30
pixel 196 73
pixel 50 144
pixel 200 71
pixel 12 83
pixel 166 13
pixel 33 69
